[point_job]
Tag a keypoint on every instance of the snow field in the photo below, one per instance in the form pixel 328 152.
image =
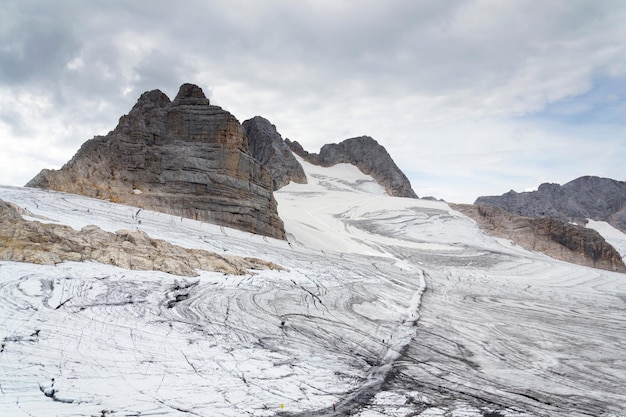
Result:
pixel 388 306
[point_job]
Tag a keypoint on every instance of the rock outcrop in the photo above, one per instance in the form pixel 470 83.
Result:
pixel 584 198
pixel 49 244
pixel 366 154
pixel 268 147
pixel 185 157
pixel 554 237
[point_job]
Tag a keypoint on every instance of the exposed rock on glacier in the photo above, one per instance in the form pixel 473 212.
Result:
pixel 581 199
pixel 49 244
pixel 365 153
pixel 268 147
pixel 186 158
pixel 554 237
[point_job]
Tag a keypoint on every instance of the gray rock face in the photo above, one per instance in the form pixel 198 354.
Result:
pixel 185 157
pixel 268 147
pixel 583 198
pixel 366 154
pixel 554 237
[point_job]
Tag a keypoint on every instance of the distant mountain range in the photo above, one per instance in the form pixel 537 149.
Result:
pixel 552 219
pixel 584 198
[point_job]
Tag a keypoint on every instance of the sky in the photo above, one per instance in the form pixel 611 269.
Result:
pixel 470 98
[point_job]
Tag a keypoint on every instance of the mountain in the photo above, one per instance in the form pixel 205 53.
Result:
pixel 377 306
pixel 186 158
pixel 554 237
pixel 366 154
pixel 584 198
pixel 267 147
pixel 547 220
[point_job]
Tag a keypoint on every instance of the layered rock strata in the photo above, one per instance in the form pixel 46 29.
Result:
pixel 185 157
pixel 584 198
pixel 268 147
pixel 49 244
pixel 554 237
pixel 366 154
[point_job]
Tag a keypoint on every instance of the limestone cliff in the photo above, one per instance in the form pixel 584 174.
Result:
pixel 185 157
pixel 268 147
pixel 366 154
pixel 554 237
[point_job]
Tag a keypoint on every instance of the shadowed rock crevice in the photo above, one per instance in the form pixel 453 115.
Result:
pixel 367 155
pixel 186 158
pixel 268 147
pixel 49 244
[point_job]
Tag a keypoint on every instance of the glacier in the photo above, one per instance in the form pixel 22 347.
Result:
pixel 387 307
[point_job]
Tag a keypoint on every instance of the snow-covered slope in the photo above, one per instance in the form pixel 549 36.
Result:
pixel 389 306
pixel 615 237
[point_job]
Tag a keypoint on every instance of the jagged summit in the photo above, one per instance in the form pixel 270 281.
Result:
pixel 365 153
pixel 185 157
pixel 587 197
pixel 190 95
pixel 557 238
pixel 268 147
pixel 548 219
pixel 150 100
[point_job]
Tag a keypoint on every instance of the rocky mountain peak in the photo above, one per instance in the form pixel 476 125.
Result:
pixel 548 219
pixel 587 197
pixel 190 95
pixel 184 157
pixel 150 100
pixel 268 147
pixel 366 154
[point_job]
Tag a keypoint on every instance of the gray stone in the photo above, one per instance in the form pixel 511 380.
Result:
pixel 587 197
pixel 367 155
pixel 268 147
pixel 554 237
pixel 190 95
pixel 186 158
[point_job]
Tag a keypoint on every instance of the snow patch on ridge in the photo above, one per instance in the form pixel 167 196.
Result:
pixel 615 237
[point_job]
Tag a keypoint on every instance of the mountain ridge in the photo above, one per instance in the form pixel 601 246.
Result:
pixel 556 238
pixel 190 158
pixel 586 197
pixel 365 153
pixel 269 148
pixel 193 159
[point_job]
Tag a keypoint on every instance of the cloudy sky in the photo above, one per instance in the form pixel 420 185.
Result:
pixel 469 97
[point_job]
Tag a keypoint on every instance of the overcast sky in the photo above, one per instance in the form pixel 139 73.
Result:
pixel 470 98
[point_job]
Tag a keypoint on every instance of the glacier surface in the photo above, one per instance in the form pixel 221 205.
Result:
pixel 388 307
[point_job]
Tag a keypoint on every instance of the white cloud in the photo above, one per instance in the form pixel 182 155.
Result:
pixel 451 88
